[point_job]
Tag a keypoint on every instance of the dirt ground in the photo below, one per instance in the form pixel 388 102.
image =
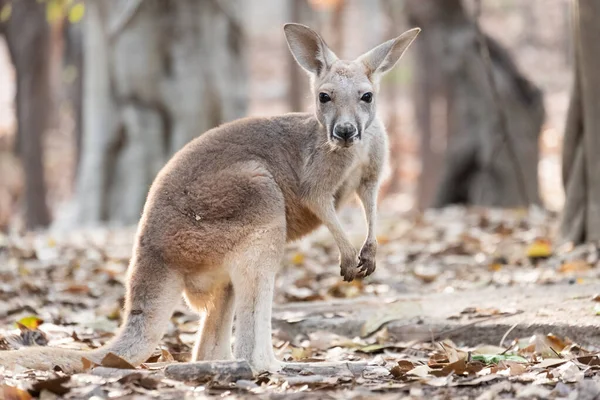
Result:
pixel 472 303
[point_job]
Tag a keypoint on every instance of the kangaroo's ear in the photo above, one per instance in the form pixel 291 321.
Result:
pixel 383 57
pixel 308 48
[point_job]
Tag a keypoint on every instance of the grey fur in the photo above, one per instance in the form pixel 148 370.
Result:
pixel 220 212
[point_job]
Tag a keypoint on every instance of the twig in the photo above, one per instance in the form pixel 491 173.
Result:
pixel 502 117
pixel 507 333
pixel 556 352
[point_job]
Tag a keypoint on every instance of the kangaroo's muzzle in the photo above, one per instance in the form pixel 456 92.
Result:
pixel 346 134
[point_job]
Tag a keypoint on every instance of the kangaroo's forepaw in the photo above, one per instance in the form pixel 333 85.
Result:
pixel 349 268
pixel 366 258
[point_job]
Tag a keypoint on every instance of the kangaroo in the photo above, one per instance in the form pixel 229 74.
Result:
pixel 220 212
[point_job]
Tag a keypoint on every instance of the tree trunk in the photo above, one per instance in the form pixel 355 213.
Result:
pixel 581 167
pixel 73 66
pixel 295 74
pixel 28 37
pixel 457 105
pixel 156 75
pixel 299 12
pixel 395 13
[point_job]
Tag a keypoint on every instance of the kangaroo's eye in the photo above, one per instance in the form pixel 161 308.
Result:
pixel 324 97
pixel 367 97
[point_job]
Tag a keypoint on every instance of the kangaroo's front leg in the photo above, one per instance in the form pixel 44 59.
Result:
pixel 367 192
pixel 349 263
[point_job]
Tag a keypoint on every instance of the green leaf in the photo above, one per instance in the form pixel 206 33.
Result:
pixel 5 12
pixel 76 13
pixel 496 358
pixel 31 322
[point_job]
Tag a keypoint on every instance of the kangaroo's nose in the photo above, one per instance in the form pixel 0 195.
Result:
pixel 344 131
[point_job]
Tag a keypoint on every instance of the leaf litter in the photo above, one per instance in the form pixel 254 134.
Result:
pixel 66 289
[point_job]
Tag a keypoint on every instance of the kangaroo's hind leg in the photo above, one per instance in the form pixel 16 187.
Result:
pixel 216 324
pixel 253 267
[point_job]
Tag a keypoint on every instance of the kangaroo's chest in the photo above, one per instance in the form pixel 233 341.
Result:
pixel 344 183
pixel 348 185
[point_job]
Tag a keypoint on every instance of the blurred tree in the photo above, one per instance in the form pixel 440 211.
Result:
pixel 298 12
pixel 156 75
pixel 394 12
pixel 472 104
pixel 73 78
pixel 581 165
pixel 27 33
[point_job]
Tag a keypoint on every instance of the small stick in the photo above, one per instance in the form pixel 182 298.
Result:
pixel 507 333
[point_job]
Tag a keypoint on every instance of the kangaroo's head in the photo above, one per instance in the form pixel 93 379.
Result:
pixel 345 92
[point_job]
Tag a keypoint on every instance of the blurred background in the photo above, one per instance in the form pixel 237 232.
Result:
pixel 96 95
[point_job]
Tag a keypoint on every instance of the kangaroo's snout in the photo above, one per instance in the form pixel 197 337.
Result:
pixel 345 132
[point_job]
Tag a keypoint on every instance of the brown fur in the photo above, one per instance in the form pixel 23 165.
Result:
pixel 220 212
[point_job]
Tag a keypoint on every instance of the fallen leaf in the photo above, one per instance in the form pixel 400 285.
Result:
pixel 515 368
pixel 382 239
pixel 540 248
pixel 569 373
pixel 30 322
pixel 53 385
pixel 556 342
pixel 112 360
pixel 495 267
pixel 590 360
pixel 165 356
pixel 87 364
pixel 550 362
pixel 458 367
pixel 402 368
pixel 574 266
pixel 421 371
pixel 298 258
pixel 77 289
pixel 301 353
pixel 496 358
pixel 14 393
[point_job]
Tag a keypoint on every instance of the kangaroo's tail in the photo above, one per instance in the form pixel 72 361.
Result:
pixel 152 293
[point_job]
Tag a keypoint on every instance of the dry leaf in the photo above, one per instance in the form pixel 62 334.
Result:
pixel 53 385
pixel 540 248
pixel 301 353
pixel 87 364
pixel 112 360
pixel 298 259
pixel 14 393
pixel 574 266
pixel 30 322
pixel 402 368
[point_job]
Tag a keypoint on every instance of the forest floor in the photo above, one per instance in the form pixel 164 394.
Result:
pixel 464 304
